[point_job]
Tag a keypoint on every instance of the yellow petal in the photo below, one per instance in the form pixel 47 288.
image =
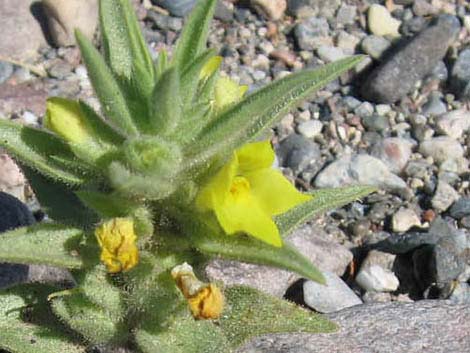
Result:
pixel 214 192
pixel 117 241
pixel 210 67
pixel 208 303
pixel 64 117
pixel 242 213
pixel 273 192
pixel 227 92
pixel 256 155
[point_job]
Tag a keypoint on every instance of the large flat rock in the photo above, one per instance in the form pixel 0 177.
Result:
pixel 430 326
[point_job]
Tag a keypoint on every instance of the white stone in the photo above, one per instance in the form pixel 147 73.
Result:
pixel 377 279
pixel 381 22
pixel 454 123
pixel 310 128
pixel 330 54
pixel 404 219
pixel 336 295
pixel 444 196
pixel 441 148
pixel 271 9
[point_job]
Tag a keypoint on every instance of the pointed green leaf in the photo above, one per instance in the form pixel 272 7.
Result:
pixel 260 110
pixel 248 249
pixel 184 335
pixel 251 313
pixel 93 323
pixel 27 326
pixel 195 120
pixel 193 39
pixel 106 88
pixel 35 148
pixel 59 201
pixel 44 244
pixel 162 63
pixel 167 105
pixel 191 76
pixel 106 204
pixel 323 200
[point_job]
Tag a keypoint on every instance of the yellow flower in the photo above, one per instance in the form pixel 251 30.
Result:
pixel 247 192
pixel 205 300
pixel 116 238
pixel 64 117
pixel 210 67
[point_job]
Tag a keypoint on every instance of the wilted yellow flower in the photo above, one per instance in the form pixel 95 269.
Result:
pixel 116 238
pixel 210 67
pixel 205 300
pixel 64 117
pixel 247 192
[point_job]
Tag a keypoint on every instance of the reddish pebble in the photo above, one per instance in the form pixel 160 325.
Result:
pixel 429 215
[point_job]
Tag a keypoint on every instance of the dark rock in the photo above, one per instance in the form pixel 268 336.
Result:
pixel 398 75
pixel 434 326
pixel 298 153
pixel 178 8
pixel 13 214
pixel 460 208
pixel 460 80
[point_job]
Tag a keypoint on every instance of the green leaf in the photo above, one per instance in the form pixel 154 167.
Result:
pixel 108 205
pixel 36 148
pixel 92 322
pixel 260 110
pixel 193 39
pixel 106 87
pixel 44 244
pixel 27 326
pixel 161 64
pixel 167 105
pixel 191 76
pixel 323 200
pixel 248 249
pixel 97 288
pixel 59 201
pixel 195 120
pixel 184 335
pixel 251 313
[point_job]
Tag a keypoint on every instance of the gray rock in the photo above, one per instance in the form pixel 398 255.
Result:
pixel 376 297
pixel 376 122
pixel 397 76
pixel 431 325
pixel 298 153
pixel 312 241
pixel 270 9
pixel 330 54
pixel 423 8
pixel 178 8
pixel 375 274
pixel 310 128
pixel 395 152
pixel 346 14
pixel 461 294
pixel 329 298
pixel 375 46
pixel 440 72
pixel 311 33
pixel 15 97
pixel 21 35
pixel 460 208
pixel 460 76
pixel 403 243
pixel 6 69
pixel 444 196
pixel 359 169
pixel 441 149
pixel 309 8
pixel 434 105
pixel 454 123
pixel 60 69
pixel 364 110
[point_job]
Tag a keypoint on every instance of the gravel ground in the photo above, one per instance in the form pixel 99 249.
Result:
pixel 400 121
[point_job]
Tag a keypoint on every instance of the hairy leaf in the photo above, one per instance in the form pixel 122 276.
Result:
pixel 248 249
pixel 106 204
pixel 323 200
pixel 92 322
pixel 106 87
pixel 194 36
pixel 260 110
pixel 27 326
pixel 45 244
pixel 35 148
pixel 251 313
pixel 60 202
pixel 184 335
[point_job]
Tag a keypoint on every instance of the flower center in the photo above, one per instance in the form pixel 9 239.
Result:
pixel 240 186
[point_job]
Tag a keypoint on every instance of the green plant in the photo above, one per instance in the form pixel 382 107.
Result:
pixel 170 176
